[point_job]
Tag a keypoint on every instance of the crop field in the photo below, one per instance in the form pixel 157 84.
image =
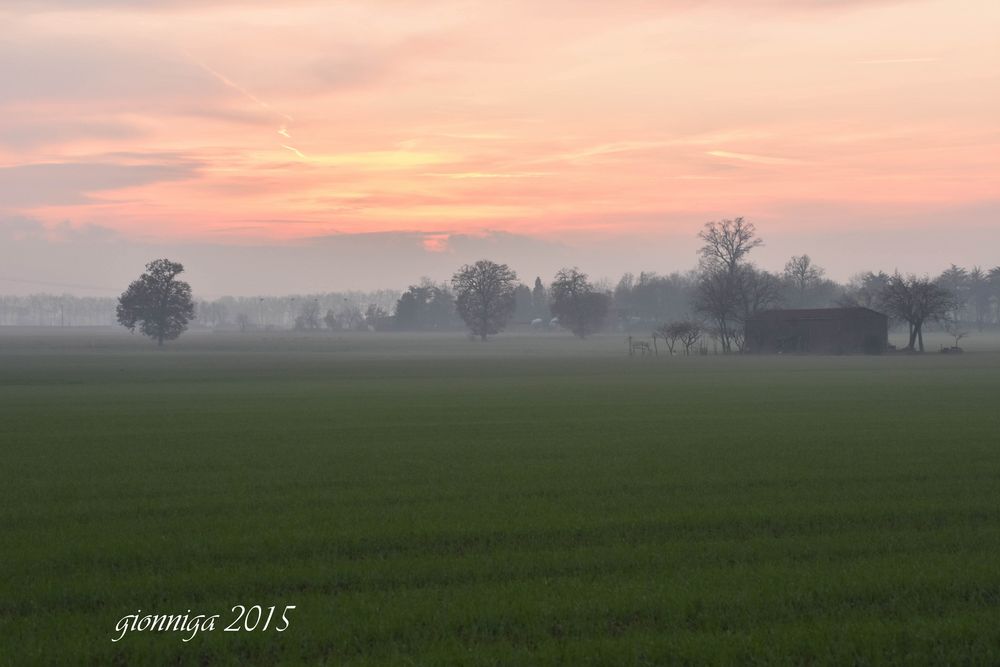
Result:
pixel 431 500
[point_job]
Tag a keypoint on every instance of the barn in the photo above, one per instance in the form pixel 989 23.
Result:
pixel 818 331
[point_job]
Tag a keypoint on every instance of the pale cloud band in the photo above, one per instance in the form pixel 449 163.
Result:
pixel 179 121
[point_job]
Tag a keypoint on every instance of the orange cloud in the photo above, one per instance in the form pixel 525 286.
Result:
pixel 599 118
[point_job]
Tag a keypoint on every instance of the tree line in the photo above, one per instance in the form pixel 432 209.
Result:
pixel 713 300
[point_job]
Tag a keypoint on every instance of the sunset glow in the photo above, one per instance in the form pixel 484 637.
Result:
pixel 244 122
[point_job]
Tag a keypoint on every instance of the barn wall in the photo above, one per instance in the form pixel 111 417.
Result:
pixel 844 332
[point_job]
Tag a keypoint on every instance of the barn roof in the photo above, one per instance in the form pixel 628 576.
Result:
pixel 816 313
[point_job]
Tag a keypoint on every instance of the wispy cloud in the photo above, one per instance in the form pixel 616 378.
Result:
pixel 46 184
pixel 892 61
pixel 481 174
pixel 757 159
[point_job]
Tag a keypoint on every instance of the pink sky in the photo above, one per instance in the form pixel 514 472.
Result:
pixel 597 124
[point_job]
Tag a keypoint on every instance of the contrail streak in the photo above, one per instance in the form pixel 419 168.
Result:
pixel 240 89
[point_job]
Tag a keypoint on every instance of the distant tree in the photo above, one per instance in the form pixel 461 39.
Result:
pixel 540 300
pixel 717 298
pixel 979 296
pixel 158 303
pixel 685 332
pixel 425 307
pixel 729 300
pixel 212 313
pixel 727 242
pixel 955 330
pixel 376 318
pixel 955 279
pixel 624 302
pixel 803 275
pixel 993 278
pixel 524 309
pixel 916 301
pixel 729 290
pixel 308 317
pixel 485 296
pixel 353 318
pixel 690 333
pixel 669 334
pixel 757 289
pixel 579 307
pixel 866 290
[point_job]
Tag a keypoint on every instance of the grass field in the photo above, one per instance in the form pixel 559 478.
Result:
pixel 433 500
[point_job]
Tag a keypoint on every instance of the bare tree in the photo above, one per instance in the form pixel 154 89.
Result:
pixel 758 290
pixel 727 242
pixel 717 297
pixel 485 296
pixel 803 275
pixel 670 335
pixel 353 318
pixel 729 290
pixel 956 331
pixel 686 332
pixel 690 334
pixel 578 305
pixel 308 317
pixel 916 301
pixel 376 318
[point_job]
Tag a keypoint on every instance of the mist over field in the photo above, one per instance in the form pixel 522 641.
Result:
pixel 499 333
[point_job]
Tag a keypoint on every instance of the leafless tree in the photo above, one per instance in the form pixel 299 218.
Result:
pixel 308 317
pixel 955 330
pixel 580 307
pixel 376 318
pixel 802 274
pixel 485 296
pixel 729 289
pixel 353 318
pixel 670 335
pixel 686 332
pixel 691 333
pixel 758 290
pixel 916 301
pixel 727 242
pixel 717 297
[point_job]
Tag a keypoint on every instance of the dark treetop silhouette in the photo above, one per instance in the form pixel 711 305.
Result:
pixel 579 307
pixel 158 303
pixel 485 293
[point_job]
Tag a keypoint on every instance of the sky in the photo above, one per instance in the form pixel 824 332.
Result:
pixel 306 145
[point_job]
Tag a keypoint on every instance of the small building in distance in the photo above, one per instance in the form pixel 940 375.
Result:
pixel 818 331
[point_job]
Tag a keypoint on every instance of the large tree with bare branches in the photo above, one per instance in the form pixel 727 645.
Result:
pixel 730 289
pixel 916 301
pixel 580 307
pixel 485 296
pixel 727 242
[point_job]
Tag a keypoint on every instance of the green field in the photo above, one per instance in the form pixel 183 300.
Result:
pixel 534 500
